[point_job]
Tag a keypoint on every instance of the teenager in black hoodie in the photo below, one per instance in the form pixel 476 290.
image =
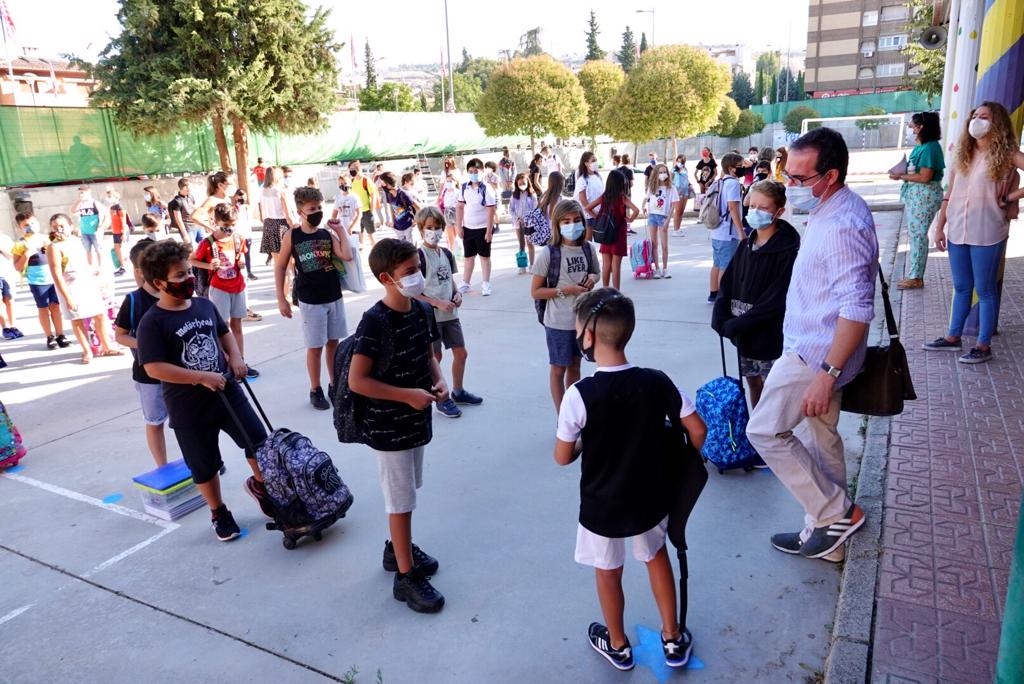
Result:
pixel 751 300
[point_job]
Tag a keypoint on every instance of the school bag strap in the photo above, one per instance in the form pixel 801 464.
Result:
pixel 131 313
pixel 451 259
pixel 554 264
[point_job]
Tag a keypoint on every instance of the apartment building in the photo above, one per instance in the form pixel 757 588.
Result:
pixel 854 46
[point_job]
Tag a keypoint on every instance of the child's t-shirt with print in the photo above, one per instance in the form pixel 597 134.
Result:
pixel 392 425
pixel 438 267
pixel 348 207
pixel 559 314
pixel 228 276
pixel 89 217
pixel 660 201
pixel 402 205
pixel 188 339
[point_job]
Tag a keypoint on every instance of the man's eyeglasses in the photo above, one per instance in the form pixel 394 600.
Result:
pixel 802 180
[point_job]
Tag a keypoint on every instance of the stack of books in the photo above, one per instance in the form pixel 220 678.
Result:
pixel 168 492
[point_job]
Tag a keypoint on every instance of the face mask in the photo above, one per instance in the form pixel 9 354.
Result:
pixel 431 237
pixel 521 187
pixel 411 285
pixel 979 128
pixel 802 197
pixel 474 178
pixel 759 218
pixel 652 161
pixel 315 218
pixel 343 188
pixel 59 234
pixel 149 198
pixel 663 176
pixel 761 176
pixel 227 230
pixel 29 229
pixel 183 289
pixel 571 231
pixel 353 172
pixel 149 236
pixel 588 352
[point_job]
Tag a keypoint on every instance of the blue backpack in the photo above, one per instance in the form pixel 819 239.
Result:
pixel 722 404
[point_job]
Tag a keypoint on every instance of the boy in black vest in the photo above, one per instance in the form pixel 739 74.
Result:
pixel 617 420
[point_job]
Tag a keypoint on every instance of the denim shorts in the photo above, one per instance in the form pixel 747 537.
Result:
pixel 91 241
pixel 5 288
pixel 151 397
pixel 45 295
pixel 722 252
pixel 562 347
pixel 656 220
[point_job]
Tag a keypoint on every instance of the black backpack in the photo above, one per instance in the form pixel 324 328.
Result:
pixel 554 267
pixel 570 185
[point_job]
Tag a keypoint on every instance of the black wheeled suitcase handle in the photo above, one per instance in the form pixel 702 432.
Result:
pixel 228 377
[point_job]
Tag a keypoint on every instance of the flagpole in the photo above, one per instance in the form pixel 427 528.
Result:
pixel 451 71
pixel 442 81
pixel 3 27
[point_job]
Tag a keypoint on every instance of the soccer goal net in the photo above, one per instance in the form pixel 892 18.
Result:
pixel 868 131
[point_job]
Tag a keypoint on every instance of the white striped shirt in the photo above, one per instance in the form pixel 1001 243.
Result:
pixel 833 277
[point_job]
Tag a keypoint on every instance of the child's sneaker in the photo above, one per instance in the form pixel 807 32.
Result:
pixel 463 397
pixel 318 400
pixel 17 333
pixel 657 274
pixel 620 658
pixel 665 274
pixel 62 342
pixel 464 287
pixel 251 373
pixel 421 560
pixel 8 334
pixel 51 342
pixel 677 651
pixel 416 591
pixel 224 525
pixel 485 289
pixel 118 273
pixel 448 409
pixel 258 491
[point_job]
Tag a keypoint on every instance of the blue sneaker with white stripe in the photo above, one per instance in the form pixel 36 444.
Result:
pixel 824 540
pixel 677 651
pixel 620 658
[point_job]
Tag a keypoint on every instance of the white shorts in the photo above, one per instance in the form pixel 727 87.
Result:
pixel 323 322
pixel 400 474
pixel 609 553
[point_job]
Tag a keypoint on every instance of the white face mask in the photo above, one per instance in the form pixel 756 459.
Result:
pixel 802 197
pixel 432 237
pixel 979 128
pixel 522 187
pixel 412 285
pixel 663 176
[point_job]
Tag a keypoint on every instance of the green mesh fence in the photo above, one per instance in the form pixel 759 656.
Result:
pixel 851 105
pixel 62 144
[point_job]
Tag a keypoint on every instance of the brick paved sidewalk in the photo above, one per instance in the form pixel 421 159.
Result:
pixel 953 491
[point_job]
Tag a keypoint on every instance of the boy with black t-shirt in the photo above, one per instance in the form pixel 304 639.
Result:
pixel 133 308
pixel 617 420
pixel 317 285
pixel 182 342
pixel 394 370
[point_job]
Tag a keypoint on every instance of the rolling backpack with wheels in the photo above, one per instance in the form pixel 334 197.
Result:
pixel 307 492
pixel 722 404
pixel 640 259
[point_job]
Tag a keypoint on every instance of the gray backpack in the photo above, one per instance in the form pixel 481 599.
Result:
pixel 302 480
pixel 710 209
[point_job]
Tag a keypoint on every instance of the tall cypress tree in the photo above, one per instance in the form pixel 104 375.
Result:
pixel 627 53
pixel 594 50
pixel 643 43
pixel 371 68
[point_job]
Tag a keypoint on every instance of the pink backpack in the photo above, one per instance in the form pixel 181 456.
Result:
pixel 640 259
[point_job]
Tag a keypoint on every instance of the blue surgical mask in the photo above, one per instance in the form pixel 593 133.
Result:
pixel 759 218
pixel 474 178
pixel 802 196
pixel 571 231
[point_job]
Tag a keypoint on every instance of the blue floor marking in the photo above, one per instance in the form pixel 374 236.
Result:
pixel 648 652
pixel 13 469
pixel 113 498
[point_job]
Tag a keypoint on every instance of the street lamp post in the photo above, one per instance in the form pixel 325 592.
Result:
pixel 451 69
pixel 646 11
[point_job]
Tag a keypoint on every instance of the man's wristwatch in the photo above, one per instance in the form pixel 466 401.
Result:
pixel 831 370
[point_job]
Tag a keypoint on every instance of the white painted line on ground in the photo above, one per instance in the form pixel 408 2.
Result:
pixel 15 613
pixel 124 554
pixel 92 501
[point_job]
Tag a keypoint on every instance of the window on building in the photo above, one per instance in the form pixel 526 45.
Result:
pixel 897 69
pixel 895 13
pixel 866 73
pixel 870 18
pixel 895 42
pixel 867 48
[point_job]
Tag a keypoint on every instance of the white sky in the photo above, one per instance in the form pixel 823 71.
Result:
pixel 412 31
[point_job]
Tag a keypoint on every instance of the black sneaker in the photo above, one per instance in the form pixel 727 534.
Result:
pixel 787 542
pixel 224 524
pixel 251 373
pixel 258 491
pixel 464 397
pixel 824 540
pixel 318 400
pixel 421 560
pixel 51 342
pixel 252 276
pixel 712 298
pixel 976 356
pixel 942 344
pixel 62 342
pixel 416 591
pixel 620 658
pixel 677 651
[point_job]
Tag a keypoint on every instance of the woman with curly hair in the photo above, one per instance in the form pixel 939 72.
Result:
pixel 974 222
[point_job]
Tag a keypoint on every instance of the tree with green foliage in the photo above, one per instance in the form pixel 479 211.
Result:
pixel 871 124
pixel 371 67
pixel 773 89
pixel 478 69
pixel 800 88
pixel 795 118
pixel 424 105
pixel 742 92
pixel 769 63
pixel 749 123
pixel 467 93
pixel 674 90
pixel 465 59
pixel 643 42
pixel 789 87
pixel 389 97
pixel 627 53
pixel 529 43
pixel 594 51
pixel 600 81
pixel 928 66
pixel 533 96
pixel 728 115
pixel 263 66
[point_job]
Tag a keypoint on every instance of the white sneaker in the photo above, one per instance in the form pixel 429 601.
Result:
pixel 522 271
pixel 485 289
pixel 666 274
pixel 464 287
pixel 657 274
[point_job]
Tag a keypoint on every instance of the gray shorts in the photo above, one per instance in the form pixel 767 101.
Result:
pixel 230 305
pixel 451 335
pixel 154 411
pixel 401 474
pixel 323 322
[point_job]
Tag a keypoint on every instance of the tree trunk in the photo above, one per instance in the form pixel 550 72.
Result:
pixel 533 146
pixel 222 141
pixel 240 132
pixel 665 157
pixel 675 146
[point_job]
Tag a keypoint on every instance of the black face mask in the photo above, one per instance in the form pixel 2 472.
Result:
pixel 315 218
pixel 595 314
pixel 343 188
pixel 353 172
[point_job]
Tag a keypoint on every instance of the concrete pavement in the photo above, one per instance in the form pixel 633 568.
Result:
pixel 94 592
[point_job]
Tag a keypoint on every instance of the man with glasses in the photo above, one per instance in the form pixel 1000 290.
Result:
pixel 829 307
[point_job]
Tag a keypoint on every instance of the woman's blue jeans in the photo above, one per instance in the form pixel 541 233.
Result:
pixel 974 270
